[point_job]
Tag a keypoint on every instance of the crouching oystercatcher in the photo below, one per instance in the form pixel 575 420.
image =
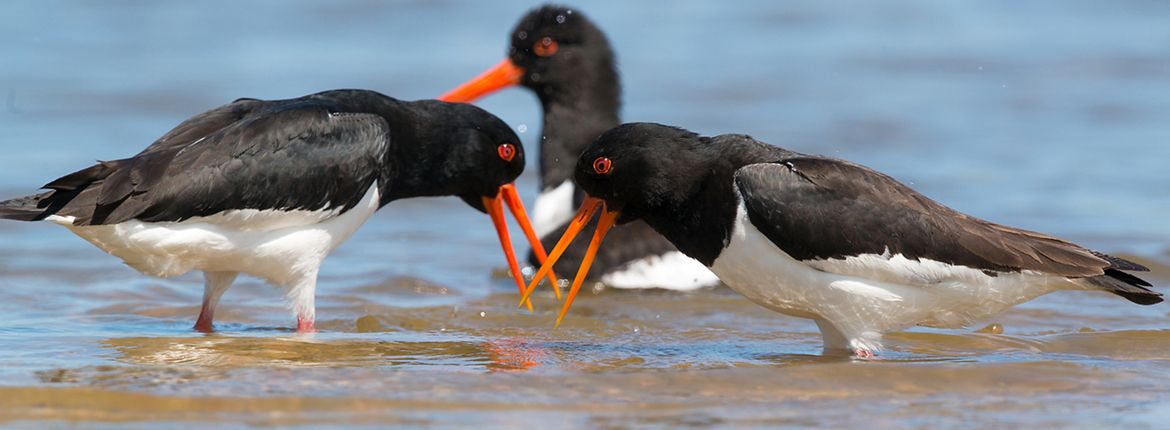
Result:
pixel 269 187
pixel 825 239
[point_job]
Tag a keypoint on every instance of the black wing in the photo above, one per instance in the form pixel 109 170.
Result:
pixel 293 154
pixel 820 208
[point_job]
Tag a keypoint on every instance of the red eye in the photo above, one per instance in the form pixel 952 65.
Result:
pixel 507 151
pixel 545 47
pixel 602 165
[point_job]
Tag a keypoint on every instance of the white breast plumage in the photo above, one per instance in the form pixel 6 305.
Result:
pixel 554 208
pixel 270 244
pixel 854 299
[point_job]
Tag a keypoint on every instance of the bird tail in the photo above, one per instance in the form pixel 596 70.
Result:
pixel 1116 281
pixel 27 208
pixel 62 191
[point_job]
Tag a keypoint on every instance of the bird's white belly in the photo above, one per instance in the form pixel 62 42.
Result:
pixel 553 208
pixel 869 293
pixel 280 246
pixel 672 271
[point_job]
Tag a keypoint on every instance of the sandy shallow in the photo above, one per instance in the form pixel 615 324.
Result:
pixel 622 358
pixel 1049 115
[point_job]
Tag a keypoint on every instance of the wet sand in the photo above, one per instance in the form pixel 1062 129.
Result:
pixel 621 359
pixel 1048 115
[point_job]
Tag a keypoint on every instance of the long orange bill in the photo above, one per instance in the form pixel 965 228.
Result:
pixel 495 209
pixel 584 214
pixel 604 222
pixel 504 74
pixel 512 198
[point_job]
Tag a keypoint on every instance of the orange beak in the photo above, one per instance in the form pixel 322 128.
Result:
pixel 504 74
pixel 495 209
pixel 607 220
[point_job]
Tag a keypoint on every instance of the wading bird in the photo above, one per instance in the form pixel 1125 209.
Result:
pixel 567 62
pixel 814 237
pixel 269 188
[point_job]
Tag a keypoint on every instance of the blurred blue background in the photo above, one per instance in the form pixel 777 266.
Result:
pixel 1050 115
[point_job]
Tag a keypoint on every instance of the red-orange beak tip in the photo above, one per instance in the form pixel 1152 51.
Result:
pixel 516 205
pixel 584 214
pixel 495 209
pixel 604 223
pixel 511 198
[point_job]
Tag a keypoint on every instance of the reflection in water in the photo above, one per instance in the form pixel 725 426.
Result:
pixel 617 362
pixel 514 355
pixel 1048 393
pixel 1015 114
pixel 295 351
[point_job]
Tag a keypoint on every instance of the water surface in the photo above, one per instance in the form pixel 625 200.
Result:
pixel 1048 115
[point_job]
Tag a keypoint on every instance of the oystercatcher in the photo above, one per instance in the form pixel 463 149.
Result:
pixel 566 60
pixel 825 239
pixel 269 188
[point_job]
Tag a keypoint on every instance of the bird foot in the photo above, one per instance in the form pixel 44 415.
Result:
pixel 203 327
pixel 203 323
pixel 305 325
pixel 864 354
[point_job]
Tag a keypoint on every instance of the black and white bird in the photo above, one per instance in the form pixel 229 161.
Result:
pixel 567 61
pixel 825 239
pixel 269 188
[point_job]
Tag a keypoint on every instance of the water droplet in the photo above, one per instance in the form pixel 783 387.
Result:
pixel 522 128
pixel 570 11
pixel 980 67
pixel 636 329
pixel 536 77
pixel 522 35
pixel 482 314
pixel 597 288
pixel 527 271
pixel 560 19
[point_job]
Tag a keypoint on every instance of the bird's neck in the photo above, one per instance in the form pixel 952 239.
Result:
pixel 573 117
pixel 700 222
pixel 416 170
pixel 701 225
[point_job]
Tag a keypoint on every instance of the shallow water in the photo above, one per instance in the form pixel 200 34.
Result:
pixel 1047 115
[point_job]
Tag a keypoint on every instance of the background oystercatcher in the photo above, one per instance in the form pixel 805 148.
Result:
pixel 825 239
pixel 269 188
pixel 567 62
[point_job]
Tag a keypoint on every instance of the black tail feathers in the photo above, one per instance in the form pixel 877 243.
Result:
pixel 63 190
pixel 27 208
pixel 1130 287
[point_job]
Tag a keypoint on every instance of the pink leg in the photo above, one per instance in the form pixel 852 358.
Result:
pixel 305 325
pixel 214 285
pixel 301 294
pixel 863 353
pixel 203 323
